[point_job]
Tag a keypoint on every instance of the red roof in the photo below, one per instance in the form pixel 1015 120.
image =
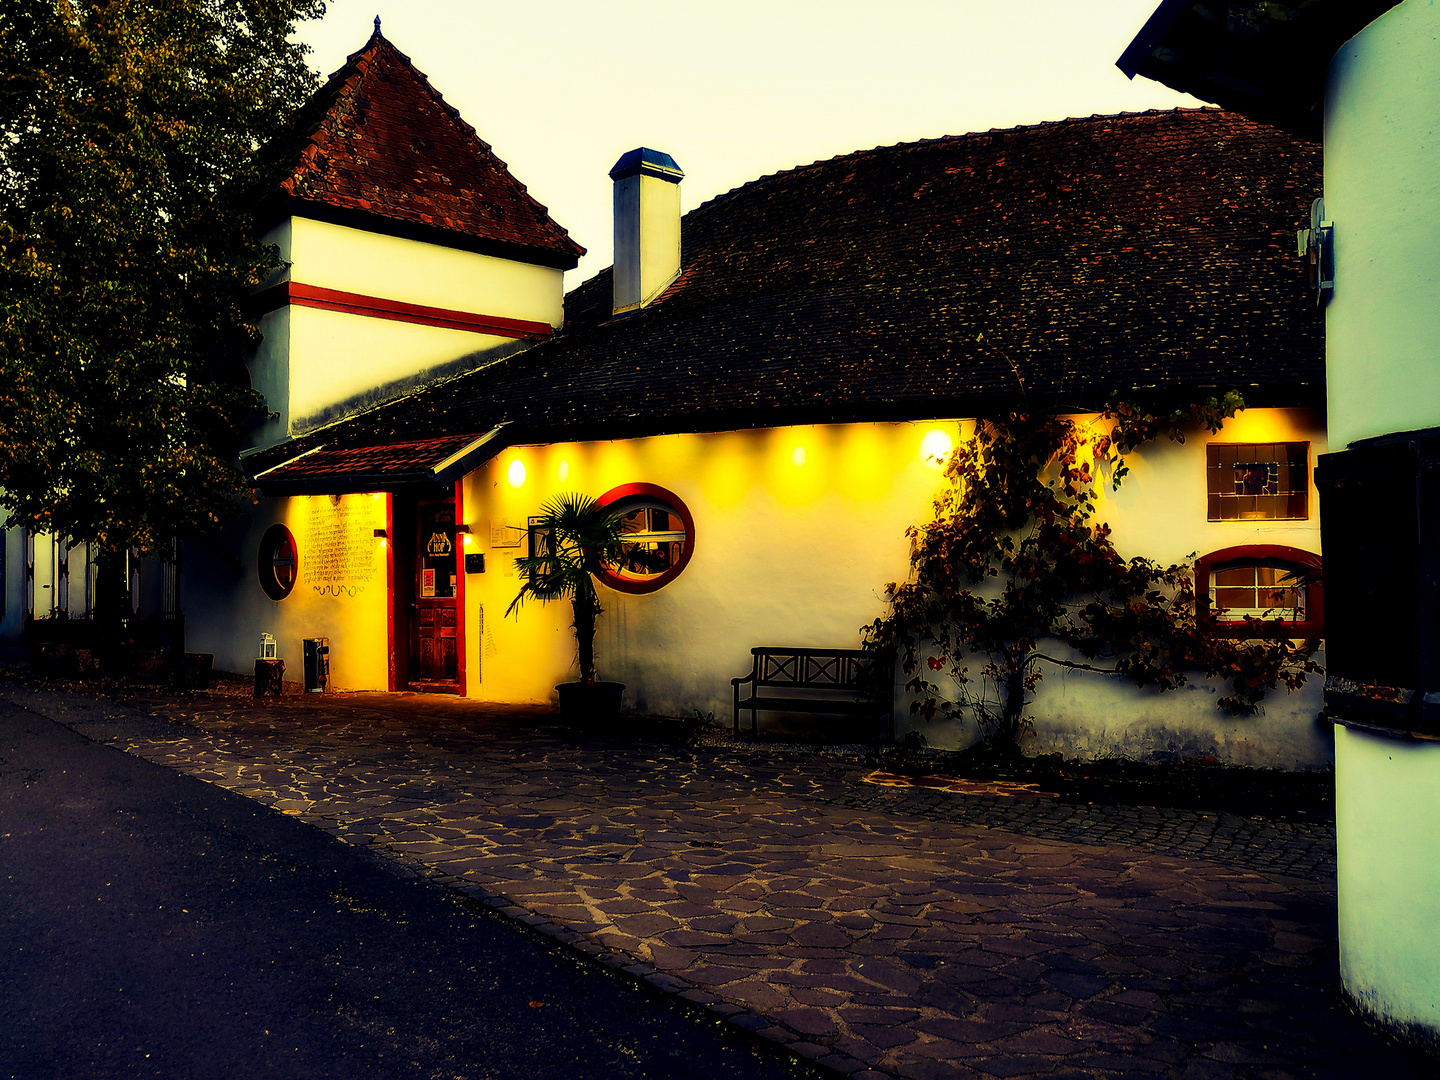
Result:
pixel 378 141
pixel 1144 257
pixel 373 468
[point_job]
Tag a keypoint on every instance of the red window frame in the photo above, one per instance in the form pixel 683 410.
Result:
pixel 626 493
pixel 271 544
pixel 1313 625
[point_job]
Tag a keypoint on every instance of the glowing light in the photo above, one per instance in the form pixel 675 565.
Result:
pixel 468 539
pixel 563 472
pixel 516 473
pixel 797 456
pixel 935 448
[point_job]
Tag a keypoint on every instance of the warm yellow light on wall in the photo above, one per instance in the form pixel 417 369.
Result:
pixel 563 472
pixel 797 456
pixel 935 448
pixel 516 473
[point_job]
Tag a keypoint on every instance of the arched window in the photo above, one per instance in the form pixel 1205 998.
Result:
pixel 1261 581
pixel 659 537
pixel 279 562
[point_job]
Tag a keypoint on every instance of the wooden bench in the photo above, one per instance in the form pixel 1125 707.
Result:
pixel 809 680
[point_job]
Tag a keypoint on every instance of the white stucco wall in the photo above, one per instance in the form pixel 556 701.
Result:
pixel 800 555
pixel 341 591
pixel 336 358
pixel 270 377
pixel 1160 512
pixel 315 365
pixel 1382 190
pixel 1160 509
pixel 798 530
pixel 1386 792
pixel 785 554
pixel 372 264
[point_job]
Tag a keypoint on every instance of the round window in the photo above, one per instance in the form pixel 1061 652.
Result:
pixel 659 537
pixel 279 562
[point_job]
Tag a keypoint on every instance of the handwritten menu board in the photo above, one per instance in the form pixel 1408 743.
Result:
pixel 341 555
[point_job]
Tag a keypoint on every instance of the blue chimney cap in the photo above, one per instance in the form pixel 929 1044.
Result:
pixel 642 161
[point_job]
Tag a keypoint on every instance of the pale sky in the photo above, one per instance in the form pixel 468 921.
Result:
pixel 736 89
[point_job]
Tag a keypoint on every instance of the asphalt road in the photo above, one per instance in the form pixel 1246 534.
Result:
pixel 155 925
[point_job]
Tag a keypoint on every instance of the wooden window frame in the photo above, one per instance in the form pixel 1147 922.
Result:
pixel 1302 490
pixel 1313 625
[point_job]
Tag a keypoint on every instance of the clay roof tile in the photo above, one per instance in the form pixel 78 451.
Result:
pixel 377 139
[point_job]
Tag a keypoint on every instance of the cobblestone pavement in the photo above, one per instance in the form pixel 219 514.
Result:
pixel 881 932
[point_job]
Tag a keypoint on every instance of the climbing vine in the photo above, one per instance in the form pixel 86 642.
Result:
pixel 1015 574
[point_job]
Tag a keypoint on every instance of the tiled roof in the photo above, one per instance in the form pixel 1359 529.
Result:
pixel 414 461
pixel 1048 267
pixel 377 141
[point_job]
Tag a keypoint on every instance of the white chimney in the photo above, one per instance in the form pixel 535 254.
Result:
pixel 647 227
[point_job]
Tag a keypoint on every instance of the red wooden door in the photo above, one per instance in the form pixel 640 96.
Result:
pixel 434 609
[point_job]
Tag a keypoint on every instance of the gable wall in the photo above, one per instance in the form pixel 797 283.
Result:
pixel 315 365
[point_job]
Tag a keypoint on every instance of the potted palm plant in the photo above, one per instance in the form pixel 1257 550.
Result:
pixel 572 539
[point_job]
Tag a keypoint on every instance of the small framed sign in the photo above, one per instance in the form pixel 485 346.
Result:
pixel 427 581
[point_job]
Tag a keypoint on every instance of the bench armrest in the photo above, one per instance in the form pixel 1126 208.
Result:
pixel 747 678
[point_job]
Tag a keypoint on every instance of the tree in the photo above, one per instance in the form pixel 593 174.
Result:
pixel 129 133
pixel 576 537
pixel 1015 574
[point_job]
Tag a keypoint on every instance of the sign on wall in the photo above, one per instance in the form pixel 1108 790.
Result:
pixel 344 555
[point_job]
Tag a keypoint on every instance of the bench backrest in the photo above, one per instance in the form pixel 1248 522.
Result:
pixel 814 669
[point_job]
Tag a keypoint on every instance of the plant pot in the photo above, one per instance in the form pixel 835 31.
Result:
pixel 591 707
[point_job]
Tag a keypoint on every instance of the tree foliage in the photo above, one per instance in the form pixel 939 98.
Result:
pixel 575 539
pixel 128 139
pixel 1015 573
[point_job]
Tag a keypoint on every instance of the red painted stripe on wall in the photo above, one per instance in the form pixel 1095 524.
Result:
pixel 375 307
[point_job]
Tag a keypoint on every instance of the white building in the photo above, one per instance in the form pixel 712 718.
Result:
pixel 1363 76
pixel 762 399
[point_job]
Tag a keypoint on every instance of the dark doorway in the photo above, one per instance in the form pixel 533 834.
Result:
pixel 429 590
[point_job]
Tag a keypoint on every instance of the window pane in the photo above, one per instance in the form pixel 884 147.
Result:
pixel 1235 575
pixel 1247 481
pixel 1235 598
pixel 1273 591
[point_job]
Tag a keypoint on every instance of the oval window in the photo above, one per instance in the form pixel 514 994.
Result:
pixel 659 537
pixel 279 562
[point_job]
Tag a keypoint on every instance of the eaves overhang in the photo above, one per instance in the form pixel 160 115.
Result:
pixel 1266 59
pixel 387 466
pixel 278 207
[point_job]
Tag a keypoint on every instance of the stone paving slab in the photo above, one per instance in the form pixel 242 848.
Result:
pixel 881 932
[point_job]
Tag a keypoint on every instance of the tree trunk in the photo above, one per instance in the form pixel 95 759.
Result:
pixel 1014 704
pixel 112 606
pixel 586 608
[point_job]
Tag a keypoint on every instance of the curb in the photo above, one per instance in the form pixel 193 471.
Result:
pixel 694 998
